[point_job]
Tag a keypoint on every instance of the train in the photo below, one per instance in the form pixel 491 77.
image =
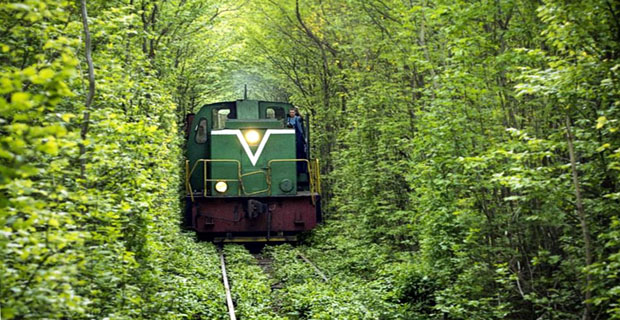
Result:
pixel 249 176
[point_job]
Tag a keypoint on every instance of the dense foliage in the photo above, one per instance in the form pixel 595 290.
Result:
pixel 89 197
pixel 470 154
pixel 480 137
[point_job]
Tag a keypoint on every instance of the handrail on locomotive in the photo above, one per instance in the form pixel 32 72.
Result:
pixel 314 176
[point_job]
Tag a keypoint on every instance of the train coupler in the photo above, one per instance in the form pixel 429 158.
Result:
pixel 256 208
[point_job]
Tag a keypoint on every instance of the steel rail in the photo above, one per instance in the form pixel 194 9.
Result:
pixel 229 302
pixel 316 269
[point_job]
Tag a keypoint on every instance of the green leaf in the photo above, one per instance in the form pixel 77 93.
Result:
pixel 600 122
pixel 20 99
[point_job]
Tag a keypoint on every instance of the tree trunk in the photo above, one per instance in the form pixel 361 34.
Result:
pixel 582 217
pixel 91 89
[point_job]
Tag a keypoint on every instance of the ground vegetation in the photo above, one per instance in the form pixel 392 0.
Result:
pixel 470 153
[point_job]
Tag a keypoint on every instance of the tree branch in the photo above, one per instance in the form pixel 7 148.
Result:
pixel 310 34
pixel 91 88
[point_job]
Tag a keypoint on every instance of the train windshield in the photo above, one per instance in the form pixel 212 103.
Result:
pixel 275 113
pixel 219 118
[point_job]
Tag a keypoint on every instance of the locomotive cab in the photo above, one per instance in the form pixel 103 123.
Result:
pixel 244 179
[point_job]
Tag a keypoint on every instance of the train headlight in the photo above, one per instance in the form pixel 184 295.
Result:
pixel 252 137
pixel 221 186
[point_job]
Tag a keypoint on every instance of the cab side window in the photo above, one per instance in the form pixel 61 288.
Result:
pixel 201 131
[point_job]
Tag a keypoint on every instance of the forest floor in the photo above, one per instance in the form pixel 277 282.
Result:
pixel 307 282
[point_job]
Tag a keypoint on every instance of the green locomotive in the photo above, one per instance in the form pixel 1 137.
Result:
pixel 246 178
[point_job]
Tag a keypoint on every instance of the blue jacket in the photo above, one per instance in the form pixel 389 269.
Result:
pixel 295 122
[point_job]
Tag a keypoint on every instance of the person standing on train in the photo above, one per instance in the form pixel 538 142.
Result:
pixel 294 120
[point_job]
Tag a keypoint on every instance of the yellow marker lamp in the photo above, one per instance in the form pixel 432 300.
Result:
pixel 221 186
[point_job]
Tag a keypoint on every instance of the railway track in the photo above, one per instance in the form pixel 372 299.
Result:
pixel 266 265
pixel 229 301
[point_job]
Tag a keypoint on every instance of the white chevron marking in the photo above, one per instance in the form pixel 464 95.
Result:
pixel 253 156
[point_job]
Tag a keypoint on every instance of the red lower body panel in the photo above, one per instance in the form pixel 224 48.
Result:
pixel 239 216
